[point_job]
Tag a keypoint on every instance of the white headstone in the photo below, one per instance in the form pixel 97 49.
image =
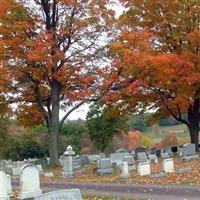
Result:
pixel 9 186
pixel 29 182
pixel 144 169
pixel 125 171
pixel 168 165
pixel 3 186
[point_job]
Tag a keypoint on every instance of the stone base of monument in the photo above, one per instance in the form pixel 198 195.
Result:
pixel 68 174
pixel 189 158
pixel 104 171
pixel 29 195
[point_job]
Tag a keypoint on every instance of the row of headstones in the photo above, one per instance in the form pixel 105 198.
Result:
pixel 105 167
pixel 30 186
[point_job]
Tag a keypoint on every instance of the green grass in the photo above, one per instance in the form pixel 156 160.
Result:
pixel 164 130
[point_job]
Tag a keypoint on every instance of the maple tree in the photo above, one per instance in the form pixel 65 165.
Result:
pixel 156 61
pixel 50 55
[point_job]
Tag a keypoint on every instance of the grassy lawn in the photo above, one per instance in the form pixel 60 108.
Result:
pixel 165 130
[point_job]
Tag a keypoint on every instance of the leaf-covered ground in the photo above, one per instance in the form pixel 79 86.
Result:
pixel 89 175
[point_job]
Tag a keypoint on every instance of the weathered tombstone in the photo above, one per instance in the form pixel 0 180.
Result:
pixel 189 149
pixel 153 150
pixel 131 162
pixel 125 171
pixel 140 149
pixel 68 163
pixel 153 158
pixel 3 186
pixel 118 157
pixel 77 163
pixel 141 157
pixel 84 159
pixel 105 166
pixel 158 175
pixel 189 152
pixel 165 155
pixel 144 169
pixel 67 194
pixel 29 182
pixel 184 170
pixel 94 158
pixel 168 165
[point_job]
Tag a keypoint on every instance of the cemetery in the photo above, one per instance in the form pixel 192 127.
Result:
pixel 99 99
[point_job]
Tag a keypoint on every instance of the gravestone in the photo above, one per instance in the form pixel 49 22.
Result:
pixel 184 170
pixel 118 157
pixel 144 169
pixel 94 158
pixel 84 159
pixel 140 149
pixel 158 175
pixel 165 155
pixel 168 165
pixel 125 171
pixel 105 166
pixel 68 163
pixel 189 152
pixel 189 149
pixel 153 158
pixel 77 163
pixel 141 157
pixel 131 162
pixel 67 194
pixel 29 182
pixel 153 150
pixel 158 152
pixel 3 186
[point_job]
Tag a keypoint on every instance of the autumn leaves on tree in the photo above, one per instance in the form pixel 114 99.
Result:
pixel 53 56
pixel 51 51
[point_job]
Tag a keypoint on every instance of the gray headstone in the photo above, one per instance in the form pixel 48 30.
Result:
pixel 189 149
pixel 104 166
pixel 68 194
pixel 141 157
pixel 118 157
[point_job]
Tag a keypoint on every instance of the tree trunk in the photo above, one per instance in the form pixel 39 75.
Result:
pixel 194 119
pixel 194 135
pixel 54 124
